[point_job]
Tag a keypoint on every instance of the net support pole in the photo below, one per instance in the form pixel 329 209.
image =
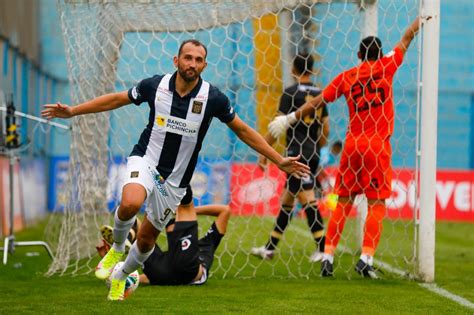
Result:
pixel 284 22
pixel 369 27
pixel 428 141
pixel 370 19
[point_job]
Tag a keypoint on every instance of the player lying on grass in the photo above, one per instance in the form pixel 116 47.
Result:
pixel 188 260
pixel 365 166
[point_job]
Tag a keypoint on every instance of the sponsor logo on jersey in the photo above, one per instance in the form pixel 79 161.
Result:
pixel 160 121
pixel 178 125
pixel 197 107
pixel 159 181
pixel 134 174
pixel 159 178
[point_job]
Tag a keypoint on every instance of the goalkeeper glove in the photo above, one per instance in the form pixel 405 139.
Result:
pixel 280 124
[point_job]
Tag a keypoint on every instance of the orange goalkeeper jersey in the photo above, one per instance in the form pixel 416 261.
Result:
pixel 368 91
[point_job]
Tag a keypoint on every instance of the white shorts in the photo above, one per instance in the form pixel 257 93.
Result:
pixel 162 198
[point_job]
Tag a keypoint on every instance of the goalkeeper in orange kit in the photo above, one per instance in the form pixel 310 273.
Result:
pixel 365 165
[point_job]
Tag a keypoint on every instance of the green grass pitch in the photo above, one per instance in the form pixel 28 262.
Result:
pixel 254 286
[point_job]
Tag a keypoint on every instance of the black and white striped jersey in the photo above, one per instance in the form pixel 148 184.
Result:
pixel 177 125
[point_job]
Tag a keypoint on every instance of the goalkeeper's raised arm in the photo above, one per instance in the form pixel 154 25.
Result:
pixel 100 104
pixel 281 123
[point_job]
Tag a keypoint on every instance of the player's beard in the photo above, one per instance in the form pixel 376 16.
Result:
pixel 188 75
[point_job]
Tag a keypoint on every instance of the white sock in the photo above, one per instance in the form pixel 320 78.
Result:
pixel 369 260
pixel 134 260
pixel 121 230
pixel 328 257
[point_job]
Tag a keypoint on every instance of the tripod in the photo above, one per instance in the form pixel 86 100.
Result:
pixel 9 242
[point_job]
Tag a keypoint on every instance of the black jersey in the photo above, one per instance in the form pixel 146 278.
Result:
pixel 303 137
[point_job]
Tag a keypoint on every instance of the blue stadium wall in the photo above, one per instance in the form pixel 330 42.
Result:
pixel 29 86
pixel 456 88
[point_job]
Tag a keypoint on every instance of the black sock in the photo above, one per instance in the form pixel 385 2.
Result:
pixel 282 221
pixel 316 224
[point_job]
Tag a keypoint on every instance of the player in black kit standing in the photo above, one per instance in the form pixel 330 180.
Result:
pixel 305 138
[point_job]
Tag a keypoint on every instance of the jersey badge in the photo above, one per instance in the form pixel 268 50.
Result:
pixel 197 107
pixel 185 243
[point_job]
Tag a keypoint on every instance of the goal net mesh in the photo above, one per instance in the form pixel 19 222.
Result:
pixel 112 45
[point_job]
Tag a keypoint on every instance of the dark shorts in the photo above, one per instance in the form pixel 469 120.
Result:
pixel 295 185
pixel 180 264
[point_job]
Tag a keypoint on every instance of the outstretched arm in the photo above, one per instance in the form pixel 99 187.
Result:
pixel 410 33
pixel 222 212
pixel 213 210
pixel 100 104
pixel 262 160
pixel 257 142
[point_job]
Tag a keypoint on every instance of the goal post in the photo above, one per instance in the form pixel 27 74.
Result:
pixel 428 141
pixel 113 44
pixel 369 27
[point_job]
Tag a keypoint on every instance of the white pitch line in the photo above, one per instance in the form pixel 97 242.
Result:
pixel 429 286
pixel 445 293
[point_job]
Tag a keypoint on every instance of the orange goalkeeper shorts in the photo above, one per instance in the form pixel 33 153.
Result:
pixel 365 167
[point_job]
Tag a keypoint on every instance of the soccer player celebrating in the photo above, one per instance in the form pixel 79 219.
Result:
pixel 365 165
pixel 306 139
pixel 162 163
pixel 188 260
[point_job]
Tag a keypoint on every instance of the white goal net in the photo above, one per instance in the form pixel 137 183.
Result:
pixel 112 44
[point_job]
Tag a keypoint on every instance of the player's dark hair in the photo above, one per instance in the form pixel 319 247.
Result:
pixel 370 48
pixel 195 42
pixel 337 143
pixel 303 63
